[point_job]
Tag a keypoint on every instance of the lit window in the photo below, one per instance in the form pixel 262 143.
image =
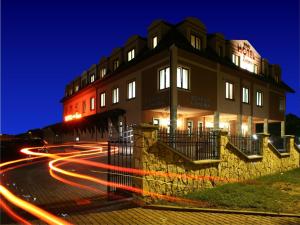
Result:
pixel 255 69
pixel 130 55
pixel 102 99
pixel 102 72
pixel 164 78
pixel 236 59
pixel 76 88
pixel 182 78
pixel 245 97
pixel 154 42
pixel 83 107
pixel 115 96
pixel 196 42
pixel 92 103
pixel 259 98
pixel 116 64
pixel 190 127
pixel 121 127
pixel 229 90
pixel 70 92
pixel 92 78
pixel 131 90
pixel 281 104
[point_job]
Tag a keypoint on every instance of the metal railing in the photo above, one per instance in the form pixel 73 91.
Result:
pixel 249 145
pixel 196 145
pixel 280 143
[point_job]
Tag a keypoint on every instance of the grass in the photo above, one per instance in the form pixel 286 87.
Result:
pixel 275 193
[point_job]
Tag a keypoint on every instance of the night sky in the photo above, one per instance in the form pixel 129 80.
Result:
pixel 47 43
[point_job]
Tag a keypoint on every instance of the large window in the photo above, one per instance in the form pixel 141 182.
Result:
pixel 245 97
pixel 154 42
pixel 130 55
pixel 102 99
pixel 236 59
pixel 229 90
pixel 83 107
pixel 102 72
pixel 92 103
pixel 116 64
pixel 92 79
pixel 115 96
pixel 196 42
pixel 182 78
pixel 259 98
pixel 131 90
pixel 164 78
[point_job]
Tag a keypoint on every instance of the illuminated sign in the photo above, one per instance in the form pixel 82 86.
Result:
pixel 73 117
pixel 249 57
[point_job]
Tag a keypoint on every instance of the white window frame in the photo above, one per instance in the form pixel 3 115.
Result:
pixel 103 72
pixel 154 42
pixel 76 88
pixel 92 78
pixel 183 78
pixel 255 69
pixel 115 95
pixel 259 98
pixel 236 59
pixel 131 90
pixel 164 78
pixel 196 42
pixel 92 103
pixel 245 95
pixel 229 92
pixel 130 55
pixel 102 99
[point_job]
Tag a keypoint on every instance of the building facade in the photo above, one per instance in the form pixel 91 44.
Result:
pixel 180 74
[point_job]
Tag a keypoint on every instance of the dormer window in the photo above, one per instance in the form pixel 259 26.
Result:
pixel 115 64
pixel 130 55
pixel 196 42
pixel 92 79
pixel 103 72
pixel 154 42
pixel 76 88
pixel 255 69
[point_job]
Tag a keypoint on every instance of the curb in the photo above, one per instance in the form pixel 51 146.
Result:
pixel 227 211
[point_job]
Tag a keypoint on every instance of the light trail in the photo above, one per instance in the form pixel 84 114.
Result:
pixel 32 209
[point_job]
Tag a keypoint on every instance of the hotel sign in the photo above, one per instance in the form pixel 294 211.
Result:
pixel 248 56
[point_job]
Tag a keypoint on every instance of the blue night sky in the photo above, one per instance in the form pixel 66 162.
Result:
pixel 47 43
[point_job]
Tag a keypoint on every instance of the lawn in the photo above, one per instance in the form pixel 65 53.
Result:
pixel 274 193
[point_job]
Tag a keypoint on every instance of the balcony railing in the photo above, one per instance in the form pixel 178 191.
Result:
pixel 249 145
pixel 280 143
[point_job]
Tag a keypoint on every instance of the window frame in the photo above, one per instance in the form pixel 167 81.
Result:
pixel 261 102
pixel 229 97
pixel 165 68
pixel 130 54
pixel 282 104
pixel 92 78
pixel 234 58
pixel 92 104
pixel 117 97
pixel 101 94
pixel 133 81
pixel 156 42
pixel 116 64
pixel 197 42
pixel 103 72
pixel 181 68
pixel 248 95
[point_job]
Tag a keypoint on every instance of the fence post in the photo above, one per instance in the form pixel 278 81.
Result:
pixel 108 170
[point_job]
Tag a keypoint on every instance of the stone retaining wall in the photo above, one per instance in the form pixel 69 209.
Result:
pixel 183 175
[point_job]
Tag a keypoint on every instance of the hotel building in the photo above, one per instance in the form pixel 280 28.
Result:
pixel 184 77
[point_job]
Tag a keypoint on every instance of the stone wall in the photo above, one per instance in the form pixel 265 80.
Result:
pixel 183 176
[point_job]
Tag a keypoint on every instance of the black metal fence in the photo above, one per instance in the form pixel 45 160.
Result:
pixel 120 149
pixel 249 145
pixel 280 143
pixel 196 145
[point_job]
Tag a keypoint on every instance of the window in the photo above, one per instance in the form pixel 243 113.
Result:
pixel 236 59
pixel 229 90
pixel 83 82
pixel 102 72
pixel 155 122
pixel 83 107
pixel 221 51
pixel 92 103
pixel 116 64
pixel 259 98
pixel 154 42
pixel 121 128
pixel 190 127
pixel 182 78
pixel 76 88
pixel 102 99
pixel 131 90
pixel 281 104
pixel 196 42
pixel 130 55
pixel 245 97
pixel 92 78
pixel 255 69
pixel 115 96
pixel 164 78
